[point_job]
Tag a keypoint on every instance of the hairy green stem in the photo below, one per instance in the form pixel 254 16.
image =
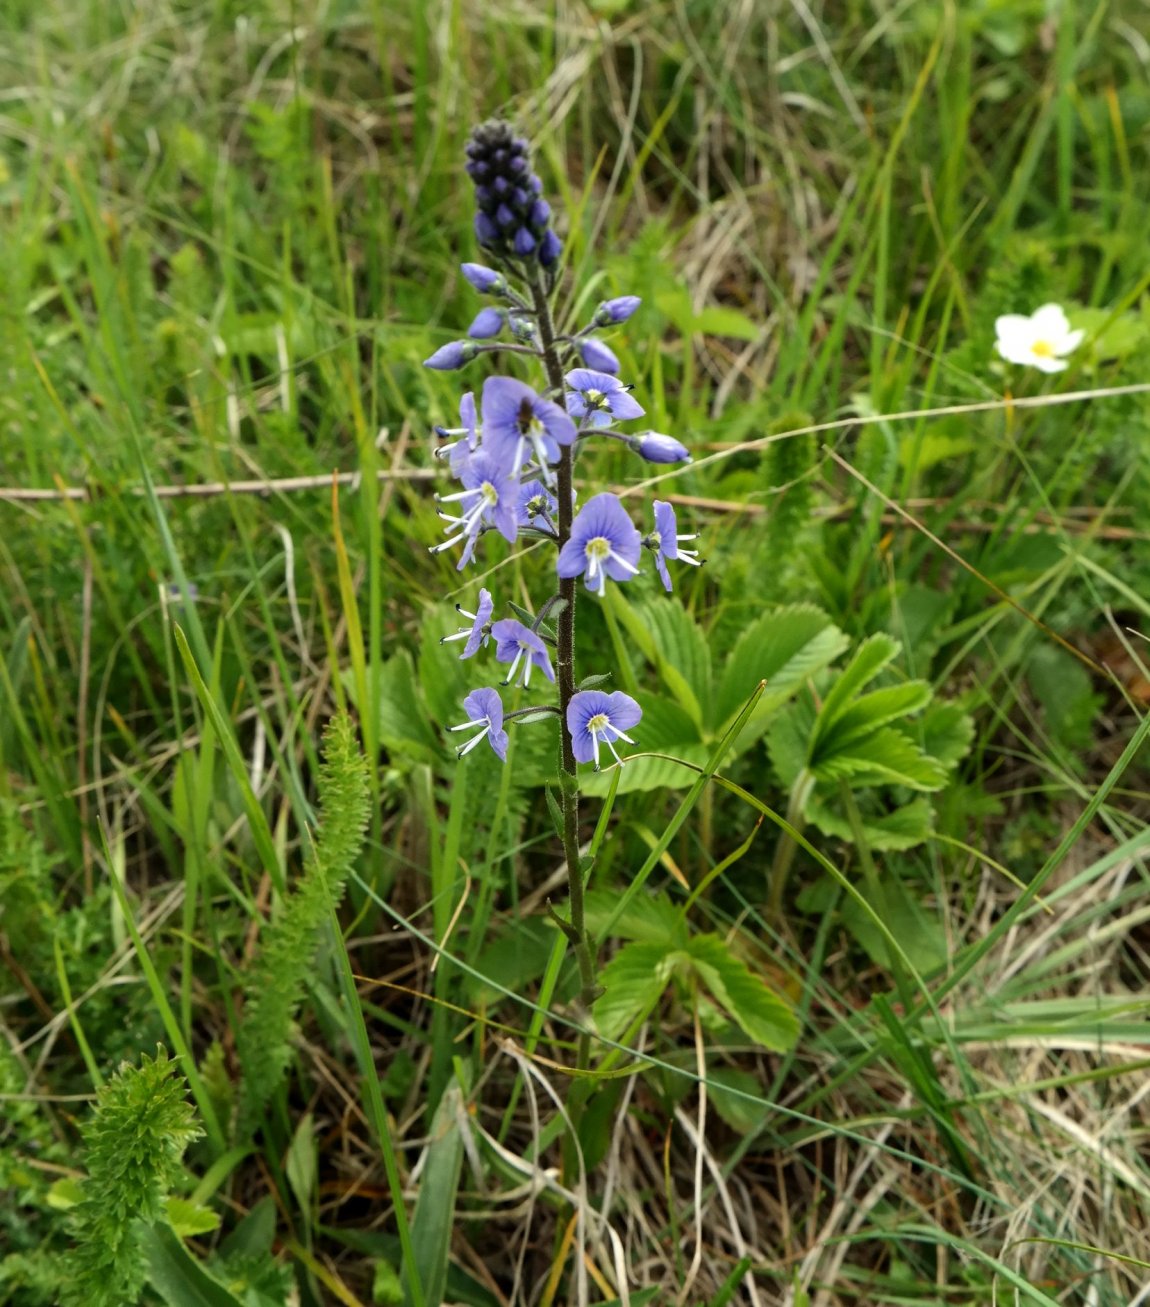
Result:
pixel 565 676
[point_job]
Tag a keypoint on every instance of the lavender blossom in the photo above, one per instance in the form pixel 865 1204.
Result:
pixel 484 708
pixel 512 641
pixel 664 543
pixel 487 323
pixel 516 420
pixel 599 399
pixel 604 543
pixel 458 451
pixel 611 312
pixel 487 499
pixel 449 357
pixel 485 280
pixel 594 717
pixel 537 506
pixel 479 632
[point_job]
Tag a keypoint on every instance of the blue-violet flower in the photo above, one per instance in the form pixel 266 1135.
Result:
pixel 484 708
pixel 459 451
pixel 537 506
pixel 516 419
pixel 479 632
pixel 594 716
pixel 485 280
pixel 664 543
pixel 487 499
pixel 512 641
pixel 599 398
pixel 604 543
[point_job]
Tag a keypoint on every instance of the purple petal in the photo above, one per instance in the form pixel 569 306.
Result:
pixel 662 449
pixel 612 312
pixel 488 323
pixel 572 561
pixel 622 711
pixel 597 355
pixel 498 741
pixel 556 422
pixel 590 379
pixel 666 526
pixel 625 406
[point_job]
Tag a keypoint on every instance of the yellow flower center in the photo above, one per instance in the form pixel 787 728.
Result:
pixel 598 723
pixel 489 493
pixel 598 547
pixel 1042 349
pixel 594 397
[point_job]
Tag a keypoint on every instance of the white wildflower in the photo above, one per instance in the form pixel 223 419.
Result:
pixel 1041 340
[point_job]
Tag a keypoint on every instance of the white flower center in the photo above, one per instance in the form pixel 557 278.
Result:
pixel 598 548
pixel 599 723
pixel 489 493
pixel 595 398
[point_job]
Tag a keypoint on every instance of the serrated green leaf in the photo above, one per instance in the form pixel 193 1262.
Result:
pixel 633 982
pixel 887 757
pixel 785 648
pixel 670 639
pixel 904 828
pixel 869 659
pixel 870 711
pixel 652 918
pixel 189 1219
pixel 593 682
pixel 789 738
pixel 736 1108
pixel 758 1010
pixel 946 732
pixel 920 933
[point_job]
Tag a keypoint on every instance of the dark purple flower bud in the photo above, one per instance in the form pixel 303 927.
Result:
pixel 483 196
pixel 449 357
pixel 540 213
pixel 524 242
pixel 477 169
pixel 660 449
pixel 611 312
pixel 501 186
pixel 597 355
pixel 485 280
pixel 488 323
pixel 500 156
pixel 504 217
pixel 520 196
pixel 550 248
pixel 486 232
pixel 517 164
pixel 520 145
pixel 535 184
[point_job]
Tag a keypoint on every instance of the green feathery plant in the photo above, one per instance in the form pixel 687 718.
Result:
pixel 275 987
pixel 134 1141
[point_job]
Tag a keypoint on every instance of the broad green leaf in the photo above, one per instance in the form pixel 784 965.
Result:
pixel 885 758
pixel 403 725
pixel 737 1109
pixel 175 1274
pixel 785 648
pixel 649 917
pixel 920 933
pixel 904 828
pixel 758 1010
pixel 869 659
pixel 870 711
pixel 718 320
pixel 632 984
pixel 303 1162
pixel 433 1222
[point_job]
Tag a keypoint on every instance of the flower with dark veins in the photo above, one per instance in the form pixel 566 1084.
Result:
pixel 479 632
pixel 516 643
pixel 603 543
pixel 598 399
pixel 516 421
pixel 484 708
pixel 594 718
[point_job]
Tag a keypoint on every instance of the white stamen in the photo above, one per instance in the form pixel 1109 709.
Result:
pixel 623 562
pixel 514 665
pixel 472 743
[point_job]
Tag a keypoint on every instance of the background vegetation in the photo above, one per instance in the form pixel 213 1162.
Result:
pixel 230 235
